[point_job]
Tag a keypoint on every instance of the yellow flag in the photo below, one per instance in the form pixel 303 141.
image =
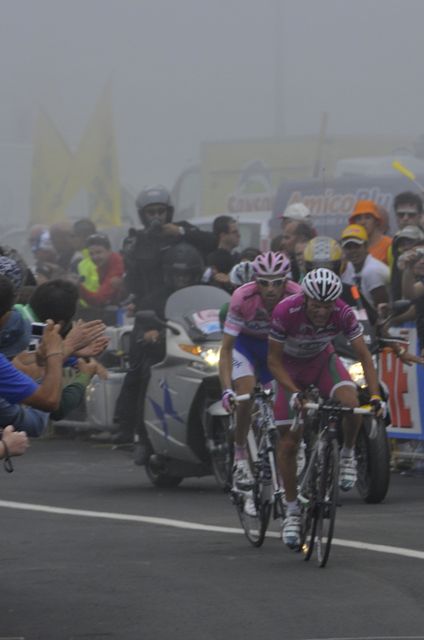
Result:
pixel 51 166
pixel 404 170
pixel 95 167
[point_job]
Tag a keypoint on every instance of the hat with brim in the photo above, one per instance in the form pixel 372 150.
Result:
pixel 297 212
pixel 364 207
pixel 355 233
pixel 410 232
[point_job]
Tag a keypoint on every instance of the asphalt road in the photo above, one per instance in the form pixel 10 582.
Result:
pixel 91 550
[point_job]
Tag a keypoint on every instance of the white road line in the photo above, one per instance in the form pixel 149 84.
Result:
pixel 371 638
pixel 196 526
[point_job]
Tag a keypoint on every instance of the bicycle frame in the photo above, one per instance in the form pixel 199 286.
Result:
pixel 262 447
pixel 266 491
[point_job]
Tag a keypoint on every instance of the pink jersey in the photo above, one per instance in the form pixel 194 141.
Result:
pixel 301 338
pixel 247 313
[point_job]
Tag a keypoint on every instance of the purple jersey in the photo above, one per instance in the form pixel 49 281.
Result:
pixel 301 338
pixel 247 313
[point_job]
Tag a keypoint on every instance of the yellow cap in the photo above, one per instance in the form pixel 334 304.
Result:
pixel 354 233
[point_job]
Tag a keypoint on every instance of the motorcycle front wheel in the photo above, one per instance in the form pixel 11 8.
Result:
pixel 222 452
pixel 373 458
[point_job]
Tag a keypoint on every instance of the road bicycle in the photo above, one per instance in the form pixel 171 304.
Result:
pixel 266 492
pixel 319 485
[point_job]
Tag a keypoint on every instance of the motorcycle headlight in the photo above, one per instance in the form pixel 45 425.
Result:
pixel 356 372
pixel 210 356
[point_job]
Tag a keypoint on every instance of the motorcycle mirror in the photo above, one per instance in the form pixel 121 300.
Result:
pixel 150 316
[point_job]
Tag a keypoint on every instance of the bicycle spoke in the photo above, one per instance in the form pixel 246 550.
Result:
pixel 309 508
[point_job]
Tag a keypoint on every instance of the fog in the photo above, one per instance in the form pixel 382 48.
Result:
pixel 186 71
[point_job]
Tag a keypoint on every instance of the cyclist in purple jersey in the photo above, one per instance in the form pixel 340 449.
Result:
pixel 300 354
pixel 245 344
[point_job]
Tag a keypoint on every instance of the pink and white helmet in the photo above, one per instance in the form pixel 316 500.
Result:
pixel 271 263
pixel 322 284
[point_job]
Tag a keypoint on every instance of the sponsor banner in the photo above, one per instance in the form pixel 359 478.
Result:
pixel 245 175
pixel 331 202
pixel 404 383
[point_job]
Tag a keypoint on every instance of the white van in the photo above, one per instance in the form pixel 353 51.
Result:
pixel 254 227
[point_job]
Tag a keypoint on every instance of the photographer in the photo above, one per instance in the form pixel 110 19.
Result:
pixel 144 249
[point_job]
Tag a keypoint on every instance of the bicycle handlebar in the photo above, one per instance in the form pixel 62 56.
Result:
pixel 243 397
pixel 263 393
pixel 331 407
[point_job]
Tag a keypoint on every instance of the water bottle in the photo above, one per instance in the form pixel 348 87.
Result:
pixel 120 317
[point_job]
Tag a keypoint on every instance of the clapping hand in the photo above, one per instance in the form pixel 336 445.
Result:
pixel 82 335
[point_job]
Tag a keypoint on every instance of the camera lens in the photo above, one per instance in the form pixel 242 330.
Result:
pixel 155 226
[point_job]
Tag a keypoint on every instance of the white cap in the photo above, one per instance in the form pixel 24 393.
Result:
pixel 299 212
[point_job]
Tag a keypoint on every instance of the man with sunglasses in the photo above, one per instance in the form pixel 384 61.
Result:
pixel 245 345
pixel 408 208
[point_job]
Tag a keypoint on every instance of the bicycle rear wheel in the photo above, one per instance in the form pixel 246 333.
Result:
pixel 327 500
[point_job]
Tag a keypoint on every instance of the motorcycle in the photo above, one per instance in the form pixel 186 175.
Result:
pixel 186 440
pixel 372 444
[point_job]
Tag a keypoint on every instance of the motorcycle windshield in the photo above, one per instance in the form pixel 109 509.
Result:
pixel 197 309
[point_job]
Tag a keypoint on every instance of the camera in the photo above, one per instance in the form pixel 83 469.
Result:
pixel 37 329
pixel 155 226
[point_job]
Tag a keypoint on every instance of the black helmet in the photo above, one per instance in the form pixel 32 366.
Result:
pixel 154 195
pixel 182 260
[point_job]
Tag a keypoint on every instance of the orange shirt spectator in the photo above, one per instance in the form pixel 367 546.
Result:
pixel 367 214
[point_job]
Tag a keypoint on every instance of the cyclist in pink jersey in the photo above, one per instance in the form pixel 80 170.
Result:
pixel 300 354
pixel 245 345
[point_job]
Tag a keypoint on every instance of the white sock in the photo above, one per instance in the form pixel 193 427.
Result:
pixel 292 507
pixel 346 452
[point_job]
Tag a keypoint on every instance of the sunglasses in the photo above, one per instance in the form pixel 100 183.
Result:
pixel 263 282
pixel 406 214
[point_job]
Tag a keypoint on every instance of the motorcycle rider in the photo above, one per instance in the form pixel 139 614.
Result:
pixel 244 348
pixel 182 267
pixel 301 354
pixel 143 251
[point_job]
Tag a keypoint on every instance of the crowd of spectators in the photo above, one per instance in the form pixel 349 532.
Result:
pixel 76 283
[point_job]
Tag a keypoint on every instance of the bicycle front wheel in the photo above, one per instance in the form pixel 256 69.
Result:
pixel 327 500
pixel 254 510
pixel 310 512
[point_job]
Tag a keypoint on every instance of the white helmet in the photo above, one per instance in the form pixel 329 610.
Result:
pixel 271 263
pixel 241 273
pixel 299 212
pixel 322 284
